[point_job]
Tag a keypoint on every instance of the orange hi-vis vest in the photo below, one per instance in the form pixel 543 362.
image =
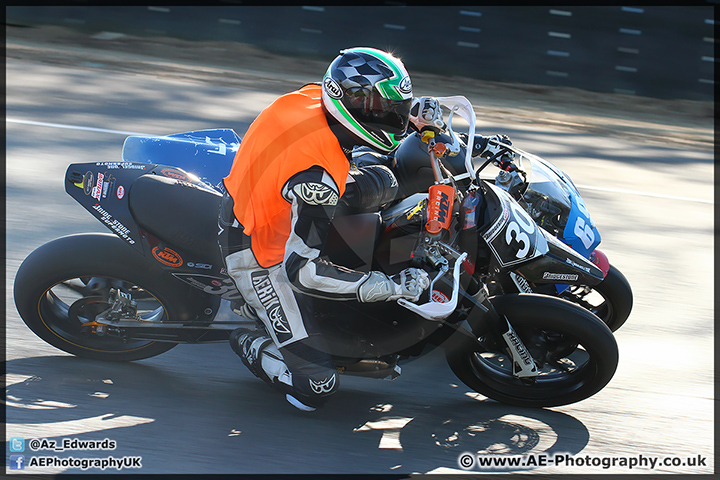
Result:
pixel 288 137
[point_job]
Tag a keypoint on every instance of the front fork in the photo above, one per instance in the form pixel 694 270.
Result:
pixel 483 310
pixel 524 366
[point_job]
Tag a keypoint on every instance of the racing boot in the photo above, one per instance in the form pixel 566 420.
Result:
pixel 261 356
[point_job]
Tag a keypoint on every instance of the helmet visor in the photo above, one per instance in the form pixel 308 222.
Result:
pixel 376 112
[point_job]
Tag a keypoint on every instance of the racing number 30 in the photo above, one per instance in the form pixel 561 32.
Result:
pixel 519 229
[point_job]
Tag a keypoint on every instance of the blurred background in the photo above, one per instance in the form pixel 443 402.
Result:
pixel 619 98
pixel 652 51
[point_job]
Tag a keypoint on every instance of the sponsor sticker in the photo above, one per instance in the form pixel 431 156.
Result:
pixel 521 283
pixel 205 266
pixel 577 265
pixel 114 224
pixel 167 256
pixel 405 85
pixel 87 184
pixel 332 88
pixel 439 297
pixel 271 302
pixel 124 165
pixel 120 192
pixel 172 173
pixel 500 222
pixel 108 184
pixel 97 190
pixel 565 277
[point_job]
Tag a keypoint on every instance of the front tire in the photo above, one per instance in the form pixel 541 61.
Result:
pixel 575 352
pixel 63 285
pixel 611 300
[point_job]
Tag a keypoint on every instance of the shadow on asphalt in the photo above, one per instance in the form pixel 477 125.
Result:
pixel 215 415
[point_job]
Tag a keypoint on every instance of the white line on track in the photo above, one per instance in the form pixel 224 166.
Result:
pixel 71 127
pixel 586 187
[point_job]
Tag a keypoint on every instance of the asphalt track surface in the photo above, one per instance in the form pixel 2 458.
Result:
pixel 197 410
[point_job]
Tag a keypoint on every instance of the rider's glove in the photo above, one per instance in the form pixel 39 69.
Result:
pixel 378 287
pixel 494 145
pixel 426 114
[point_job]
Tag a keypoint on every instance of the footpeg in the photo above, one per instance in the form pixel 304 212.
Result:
pixel 123 307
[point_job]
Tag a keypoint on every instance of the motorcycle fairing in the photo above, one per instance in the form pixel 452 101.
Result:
pixel 518 243
pixel 102 188
pixel 209 154
pixel 369 330
pixel 221 286
pixel 182 214
pixel 159 210
pixel 580 232
pixel 351 240
pixel 560 265
pixel 511 234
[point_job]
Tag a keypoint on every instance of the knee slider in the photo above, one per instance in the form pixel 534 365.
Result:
pixel 314 377
pixel 316 388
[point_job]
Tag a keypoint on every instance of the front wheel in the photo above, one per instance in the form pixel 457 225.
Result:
pixel 611 300
pixel 575 352
pixel 63 286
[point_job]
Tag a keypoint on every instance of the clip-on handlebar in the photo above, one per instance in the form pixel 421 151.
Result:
pixel 434 310
pixel 439 214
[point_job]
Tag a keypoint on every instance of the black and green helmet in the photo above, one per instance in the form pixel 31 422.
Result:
pixel 369 92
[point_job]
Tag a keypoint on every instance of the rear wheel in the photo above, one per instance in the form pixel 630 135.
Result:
pixel 62 287
pixel 575 352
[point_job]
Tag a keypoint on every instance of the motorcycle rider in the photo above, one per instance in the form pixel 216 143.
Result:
pixel 291 171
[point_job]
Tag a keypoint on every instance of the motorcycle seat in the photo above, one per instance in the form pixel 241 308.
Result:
pixel 179 213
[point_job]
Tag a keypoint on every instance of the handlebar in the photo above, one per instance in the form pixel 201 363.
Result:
pixel 433 310
pixel 461 106
pixel 506 163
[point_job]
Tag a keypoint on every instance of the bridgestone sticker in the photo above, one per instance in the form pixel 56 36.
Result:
pixel 565 277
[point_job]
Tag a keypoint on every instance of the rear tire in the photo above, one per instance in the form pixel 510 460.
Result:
pixel 575 352
pixel 64 284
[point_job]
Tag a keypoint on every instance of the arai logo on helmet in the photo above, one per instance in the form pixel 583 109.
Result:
pixel 332 88
pixel 405 85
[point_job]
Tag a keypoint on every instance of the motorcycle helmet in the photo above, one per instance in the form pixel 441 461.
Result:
pixel 369 92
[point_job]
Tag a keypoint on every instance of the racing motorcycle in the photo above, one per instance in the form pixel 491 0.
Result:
pixel 547 193
pixel 158 279
pixel 554 203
